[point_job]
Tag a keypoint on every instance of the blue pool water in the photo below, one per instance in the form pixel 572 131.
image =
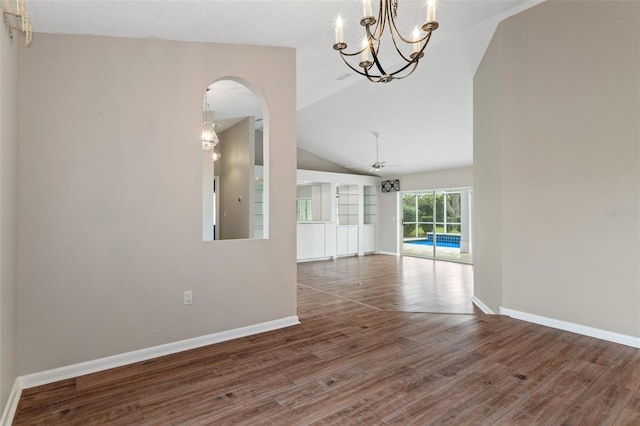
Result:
pixel 443 240
pixel 430 243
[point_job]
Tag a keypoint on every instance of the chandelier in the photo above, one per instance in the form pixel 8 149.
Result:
pixel 374 30
pixel 209 136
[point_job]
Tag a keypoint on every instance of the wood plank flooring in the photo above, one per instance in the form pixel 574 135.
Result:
pixel 357 358
pixel 394 283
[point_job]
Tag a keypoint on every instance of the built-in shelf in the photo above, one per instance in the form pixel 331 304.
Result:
pixel 258 213
pixel 343 214
pixel 348 204
pixel 369 205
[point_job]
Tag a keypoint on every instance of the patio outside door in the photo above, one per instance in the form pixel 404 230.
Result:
pixel 448 213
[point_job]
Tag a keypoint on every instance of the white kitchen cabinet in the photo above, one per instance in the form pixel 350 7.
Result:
pixel 368 238
pixel 310 239
pixel 346 240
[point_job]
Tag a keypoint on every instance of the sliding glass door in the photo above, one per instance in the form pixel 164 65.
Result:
pixel 437 224
pixel 417 223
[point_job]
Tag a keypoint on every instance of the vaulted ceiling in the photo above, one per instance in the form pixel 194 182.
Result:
pixel 425 121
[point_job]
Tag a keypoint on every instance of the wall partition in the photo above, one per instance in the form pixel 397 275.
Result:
pixel 437 224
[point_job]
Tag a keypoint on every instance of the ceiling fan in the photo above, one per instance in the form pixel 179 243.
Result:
pixel 378 165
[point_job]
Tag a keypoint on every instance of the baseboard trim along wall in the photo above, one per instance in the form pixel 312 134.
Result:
pixel 75 370
pixel 12 405
pixel 389 253
pixel 314 259
pixel 484 308
pixel 610 336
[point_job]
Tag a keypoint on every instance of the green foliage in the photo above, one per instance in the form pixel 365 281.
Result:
pixel 417 210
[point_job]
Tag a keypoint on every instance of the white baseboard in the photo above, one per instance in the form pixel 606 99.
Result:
pixel 390 253
pixel 314 259
pixel 610 336
pixel 484 308
pixel 75 370
pixel 12 405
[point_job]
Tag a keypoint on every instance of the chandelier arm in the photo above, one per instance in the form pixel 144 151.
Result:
pixel 374 50
pixel 379 24
pixel 420 40
pixel 407 65
pixel 378 29
pixel 378 78
pixel 377 62
pixel 353 68
pixel 392 26
pixel 395 29
pixel 417 57
pixel 371 78
pixel 374 31
pixel 427 38
pixel 385 17
pixel 410 62
pixel 415 65
pixel 343 53
pixel 395 44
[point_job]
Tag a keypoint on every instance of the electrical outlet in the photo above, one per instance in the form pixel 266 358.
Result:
pixel 188 297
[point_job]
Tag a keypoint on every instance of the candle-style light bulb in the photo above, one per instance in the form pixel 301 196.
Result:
pixel 416 38
pixel 365 51
pixel 339 31
pixel 431 10
pixel 366 6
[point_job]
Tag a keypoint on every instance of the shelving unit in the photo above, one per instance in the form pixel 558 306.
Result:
pixel 258 212
pixel 347 205
pixel 370 209
pixel 343 222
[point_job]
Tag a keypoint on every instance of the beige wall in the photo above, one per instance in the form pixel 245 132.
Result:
pixel 557 150
pixel 110 169
pixel 8 205
pixel 388 207
pixel 309 161
pixel 459 177
pixel 488 123
pixel 236 170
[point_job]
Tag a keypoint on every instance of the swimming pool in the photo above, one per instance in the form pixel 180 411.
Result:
pixel 442 240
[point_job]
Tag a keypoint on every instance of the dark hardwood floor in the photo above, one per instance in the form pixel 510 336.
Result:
pixel 407 284
pixel 360 358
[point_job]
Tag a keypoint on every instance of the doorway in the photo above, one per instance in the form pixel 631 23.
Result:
pixel 437 224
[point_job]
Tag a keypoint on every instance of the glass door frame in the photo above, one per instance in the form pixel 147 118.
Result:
pixel 464 224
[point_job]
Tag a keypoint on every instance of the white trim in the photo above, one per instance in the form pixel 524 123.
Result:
pixel 389 253
pixel 313 259
pixel 75 370
pixel 610 336
pixel 12 405
pixel 480 304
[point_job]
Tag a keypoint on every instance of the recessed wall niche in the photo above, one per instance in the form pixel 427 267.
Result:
pixel 234 179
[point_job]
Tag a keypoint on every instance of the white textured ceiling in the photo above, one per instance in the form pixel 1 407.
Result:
pixel 425 121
